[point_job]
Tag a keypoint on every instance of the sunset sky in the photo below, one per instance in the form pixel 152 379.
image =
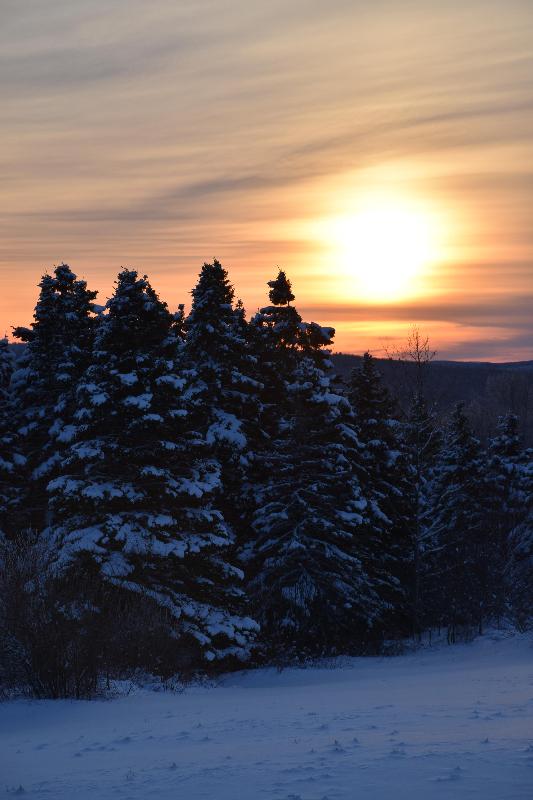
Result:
pixel 380 152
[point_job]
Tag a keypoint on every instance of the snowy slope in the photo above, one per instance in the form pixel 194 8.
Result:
pixel 441 723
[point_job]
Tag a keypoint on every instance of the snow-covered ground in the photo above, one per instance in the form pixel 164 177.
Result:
pixel 450 722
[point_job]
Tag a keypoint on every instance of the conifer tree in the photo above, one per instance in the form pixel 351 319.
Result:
pixel 10 459
pixel 280 293
pixel 224 385
pixel 276 332
pixel 505 457
pixel 505 505
pixel 519 571
pixel 387 477
pixel 134 503
pixel 422 436
pixel 6 368
pixel 58 348
pixel 459 558
pixel 179 323
pixel 422 439
pixel 309 561
pixel 217 355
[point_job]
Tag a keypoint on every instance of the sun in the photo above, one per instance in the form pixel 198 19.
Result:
pixel 384 246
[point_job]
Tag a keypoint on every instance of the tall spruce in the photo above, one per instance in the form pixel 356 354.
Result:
pixel 223 385
pixel 505 459
pixel 10 459
pixel 134 503
pixel 309 561
pixel 387 479
pixel 519 542
pixel 276 332
pixel 505 504
pixel 423 438
pixel 58 349
pixel 459 557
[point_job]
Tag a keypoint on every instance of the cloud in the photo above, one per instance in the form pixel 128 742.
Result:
pixel 504 311
pixel 160 132
pixel 513 348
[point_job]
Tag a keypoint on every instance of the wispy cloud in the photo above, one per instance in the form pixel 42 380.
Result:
pixel 162 133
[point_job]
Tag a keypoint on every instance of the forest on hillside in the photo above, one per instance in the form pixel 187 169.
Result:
pixel 487 390
pixel 185 494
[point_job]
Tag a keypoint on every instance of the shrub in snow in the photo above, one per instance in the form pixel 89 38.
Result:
pixel 67 635
pixel 47 632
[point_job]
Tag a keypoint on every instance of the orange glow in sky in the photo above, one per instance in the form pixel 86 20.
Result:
pixel 380 153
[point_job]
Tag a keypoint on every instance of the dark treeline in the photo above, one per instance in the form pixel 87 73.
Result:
pixel 194 493
pixel 488 390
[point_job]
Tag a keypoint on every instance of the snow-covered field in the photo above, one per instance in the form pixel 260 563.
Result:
pixel 440 723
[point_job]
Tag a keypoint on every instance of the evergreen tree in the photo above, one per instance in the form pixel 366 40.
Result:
pixel 459 548
pixel 519 572
pixel 309 562
pixel 217 355
pixel 422 438
pixel 505 458
pixel 505 503
pixel 280 293
pixel 224 387
pixel 10 460
pixel 276 336
pixel 133 504
pixel 179 323
pixel 6 368
pixel 388 477
pixel 59 343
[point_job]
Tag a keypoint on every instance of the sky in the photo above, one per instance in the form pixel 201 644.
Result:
pixel 379 152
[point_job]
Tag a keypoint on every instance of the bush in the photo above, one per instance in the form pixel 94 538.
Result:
pixel 67 636
pixel 47 638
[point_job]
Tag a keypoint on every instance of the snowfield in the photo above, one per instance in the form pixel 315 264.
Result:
pixel 446 722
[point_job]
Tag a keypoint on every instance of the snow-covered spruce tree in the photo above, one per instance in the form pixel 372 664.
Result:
pixel 59 344
pixel 178 327
pixel 133 503
pixel 505 458
pixel 10 459
pixel 6 369
pixel 223 386
pixel 458 556
pixel 422 437
pixel 387 478
pixel 505 503
pixel 276 333
pixel 308 563
pixel 519 568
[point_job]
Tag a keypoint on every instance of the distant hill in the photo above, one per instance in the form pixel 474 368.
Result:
pixel 488 389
